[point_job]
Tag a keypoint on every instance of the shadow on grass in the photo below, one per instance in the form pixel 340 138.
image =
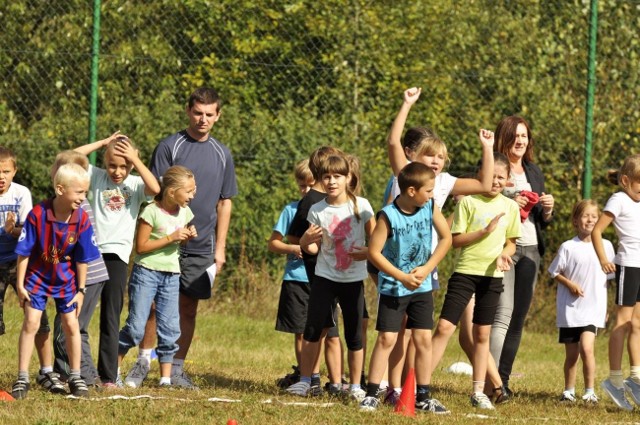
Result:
pixel 215 381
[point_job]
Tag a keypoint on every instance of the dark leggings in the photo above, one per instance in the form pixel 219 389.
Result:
pixel 111 302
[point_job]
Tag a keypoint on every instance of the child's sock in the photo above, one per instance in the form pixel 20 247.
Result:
pixel 145 353
pixel 615 376
pixel 74 374
pixel 478 386
pixel 572 390
pixel 384 384
pixel 423 393
pixel 23 375
pixel 635 374
pixel 46 369
pixel 588 391
pixel 315 379
pixel 165 380
pixel 372 389
pixel 176 366
pixel 306 379
pixel 398 390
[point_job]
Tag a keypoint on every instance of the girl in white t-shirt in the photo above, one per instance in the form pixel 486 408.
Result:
pixel 422 144
pixel 623 210
pixel 581 300
pixel 339 227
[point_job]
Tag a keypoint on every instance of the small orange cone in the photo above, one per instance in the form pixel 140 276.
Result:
pixel 232 422
pixel 5 396
pixel 406 405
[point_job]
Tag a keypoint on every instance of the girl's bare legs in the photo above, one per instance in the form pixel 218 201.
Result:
pixel 572 353
pixel 587 353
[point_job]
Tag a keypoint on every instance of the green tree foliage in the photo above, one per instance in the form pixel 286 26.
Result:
pixel 299 74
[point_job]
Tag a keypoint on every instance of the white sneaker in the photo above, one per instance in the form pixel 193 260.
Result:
pixel 590 398
pixel 568 396
pixel 481 401
pixel 357 394
pixel 137 374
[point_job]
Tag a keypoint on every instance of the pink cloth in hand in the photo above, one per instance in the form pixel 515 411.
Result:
pixel 532 199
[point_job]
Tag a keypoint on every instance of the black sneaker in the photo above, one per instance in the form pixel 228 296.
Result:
pixel 51 382
pixel 78 387
pixel 20 389
pixel 289 379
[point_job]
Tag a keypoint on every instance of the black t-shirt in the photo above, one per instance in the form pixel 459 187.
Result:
pixel 299 225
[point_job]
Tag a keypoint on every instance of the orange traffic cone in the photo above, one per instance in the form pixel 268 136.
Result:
pixel 5 396
pixel 232 422
pixel 406 404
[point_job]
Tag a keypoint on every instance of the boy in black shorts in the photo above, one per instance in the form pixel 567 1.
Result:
pixel 400 248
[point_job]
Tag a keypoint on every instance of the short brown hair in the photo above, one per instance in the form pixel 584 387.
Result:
pixel 416 175
pixel 7 154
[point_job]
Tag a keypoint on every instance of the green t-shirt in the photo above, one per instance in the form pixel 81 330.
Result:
pixel 474 213
pixel 162 223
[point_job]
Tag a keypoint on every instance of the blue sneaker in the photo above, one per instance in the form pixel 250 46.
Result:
pixel 616 394
pixel 632 389
pixel 301 389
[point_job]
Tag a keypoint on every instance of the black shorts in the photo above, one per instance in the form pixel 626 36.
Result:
pixel 292 307
pixel 418 308
pixel 572 335
pixel 627 285
pixel 194 280
pixel 461 288
pixel 322 307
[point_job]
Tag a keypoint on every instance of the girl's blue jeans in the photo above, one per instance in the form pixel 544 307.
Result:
pixel 145 287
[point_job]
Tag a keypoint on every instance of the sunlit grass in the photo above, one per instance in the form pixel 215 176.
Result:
pixel 239 358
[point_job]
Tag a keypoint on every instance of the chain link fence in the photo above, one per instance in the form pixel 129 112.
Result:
pixel 299 74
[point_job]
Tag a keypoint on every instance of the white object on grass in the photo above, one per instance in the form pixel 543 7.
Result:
pixel 461 368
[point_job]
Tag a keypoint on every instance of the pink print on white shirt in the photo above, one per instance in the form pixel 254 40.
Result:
pixel 340 232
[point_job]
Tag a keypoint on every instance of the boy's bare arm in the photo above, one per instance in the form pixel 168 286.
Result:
pixel 376 244
pixel 574 288
pixel 444 240
pixel 276 244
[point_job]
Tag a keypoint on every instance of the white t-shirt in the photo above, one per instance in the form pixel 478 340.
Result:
pixel 626 221
pixel 341 231
pixel 443 186
pixel 17 199
pixel 116 208
pixel 577 261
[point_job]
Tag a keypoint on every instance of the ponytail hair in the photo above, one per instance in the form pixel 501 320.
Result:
pixel 174 178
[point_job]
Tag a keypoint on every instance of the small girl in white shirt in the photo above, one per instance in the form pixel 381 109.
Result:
pixel 581 300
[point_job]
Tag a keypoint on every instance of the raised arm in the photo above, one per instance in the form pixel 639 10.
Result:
pixel 124 149
pixel 92 147
pixel 397 158
pixel 470 186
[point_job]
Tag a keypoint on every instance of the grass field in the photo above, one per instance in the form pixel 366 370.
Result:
pixel 239 358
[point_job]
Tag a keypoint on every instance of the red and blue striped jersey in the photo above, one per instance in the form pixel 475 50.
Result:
pixel 54 248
